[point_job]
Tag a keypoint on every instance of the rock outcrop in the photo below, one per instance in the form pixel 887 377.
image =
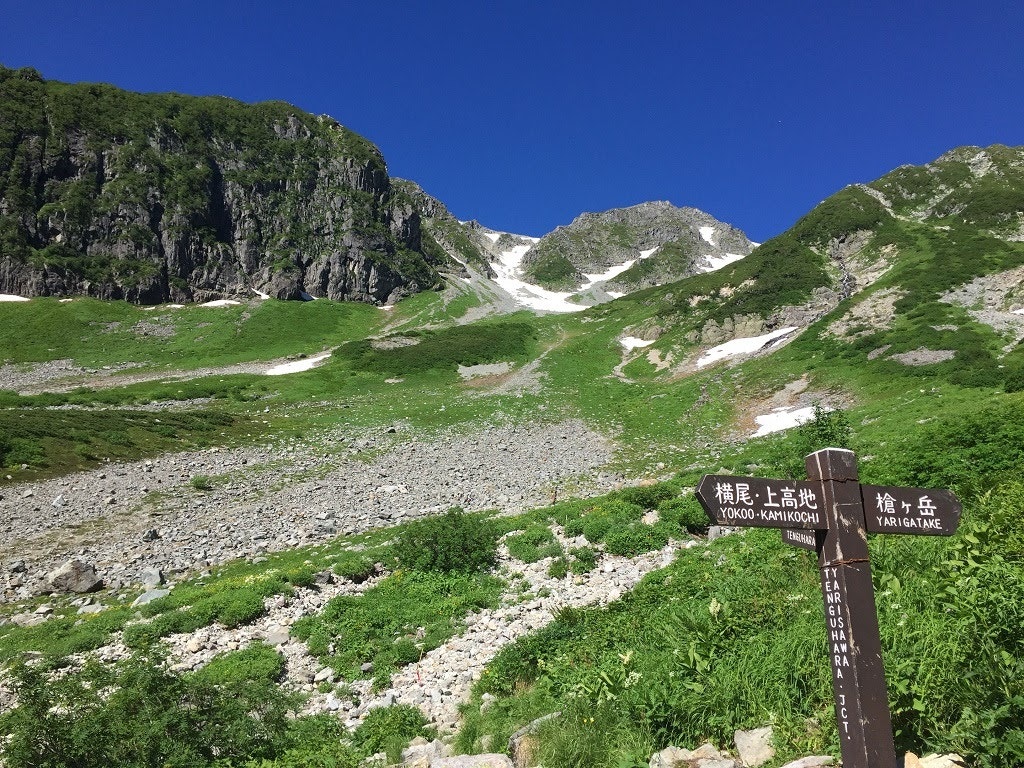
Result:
pixel 162 197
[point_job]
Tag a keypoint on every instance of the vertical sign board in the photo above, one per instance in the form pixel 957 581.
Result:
pixel 831 513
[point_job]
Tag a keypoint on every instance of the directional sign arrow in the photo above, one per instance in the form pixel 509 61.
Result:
pixel 761 502
pixel 927 511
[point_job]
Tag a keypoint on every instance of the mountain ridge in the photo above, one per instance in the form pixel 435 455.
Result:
pixel 161 197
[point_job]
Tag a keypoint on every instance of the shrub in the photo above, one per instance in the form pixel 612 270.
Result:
pixel 558 568
pixel 634 539
pixel 355 629
pixel 357 569
pixel 686 513
pixel 386 728
pixel 574 527
pixel 584 560
pixel 136 714
pixel 257 662
pixel 450 543
pixel 648 496
pixel 596 527
pixel 231 607
pixel 533 544
pixel 405 651
pixel 609 514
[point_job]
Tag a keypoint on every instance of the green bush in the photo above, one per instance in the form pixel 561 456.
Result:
pixel 609 514
pixel 356 569
pixel 574 527
pixel 648 496
pixel 454 542
pixel 389 729
pixel 533 544
pixel 201 483
pixel 634 539
pixel 405 651
pixel 685 512
pixel 257 662
pixel 558 568
pixel 137 714
pixel 596 527
pixel 584 560
pixel 231 607
pixel 363 628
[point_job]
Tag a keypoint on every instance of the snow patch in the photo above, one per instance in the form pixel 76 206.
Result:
pixel 608 274
pixel 297 365
pixel 492 236
pixel 220 303
pixel 717 262
pixel 708 233
pixel 261 294
pixel 1018 312
pixel 11 297
pixel 632 342
pixel 745 346
pixel 507 271
pixel 782 418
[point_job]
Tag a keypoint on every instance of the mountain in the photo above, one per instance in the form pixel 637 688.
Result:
pixel 158 197
pixel 923 267
pixel 673 243
pixel 887 320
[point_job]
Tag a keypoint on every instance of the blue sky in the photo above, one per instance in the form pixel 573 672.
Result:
pixel 523 115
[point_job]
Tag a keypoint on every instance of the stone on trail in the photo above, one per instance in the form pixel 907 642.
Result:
pixel 473 761
pixel 911 760
pixel 74 576
pixel 151 577
pixel 422 753
pixel 149 596
pixel 278 636
pixel 814 761
pixel 705 756
pixel 754 747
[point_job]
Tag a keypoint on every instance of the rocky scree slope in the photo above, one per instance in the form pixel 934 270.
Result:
pixel 593 242
pixel 163 197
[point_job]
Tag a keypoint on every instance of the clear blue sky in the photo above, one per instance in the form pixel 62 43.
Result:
pixel 524 114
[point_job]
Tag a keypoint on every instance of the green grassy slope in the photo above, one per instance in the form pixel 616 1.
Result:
pixel 730 639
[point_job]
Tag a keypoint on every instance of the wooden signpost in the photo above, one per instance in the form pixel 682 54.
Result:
pixel 832 513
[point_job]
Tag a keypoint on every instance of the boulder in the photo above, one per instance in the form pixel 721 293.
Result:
pixel 910 760
pixel 423 754
pixel 74 576
pixel 705 756
pixel 151 576
pixel 149 596
pixel 754 747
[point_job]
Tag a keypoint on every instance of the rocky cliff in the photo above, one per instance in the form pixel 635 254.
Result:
pixel 162 197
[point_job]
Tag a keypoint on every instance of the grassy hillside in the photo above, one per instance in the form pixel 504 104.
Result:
pixel 903 292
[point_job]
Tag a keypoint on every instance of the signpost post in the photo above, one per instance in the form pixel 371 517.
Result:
pixel 832 513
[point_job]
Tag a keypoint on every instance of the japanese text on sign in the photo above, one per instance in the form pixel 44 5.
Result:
pixel 759 502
